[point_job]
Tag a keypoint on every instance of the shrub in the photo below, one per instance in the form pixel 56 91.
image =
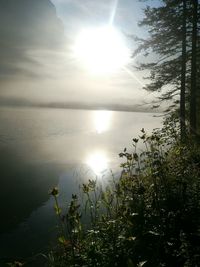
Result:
pixel 149 217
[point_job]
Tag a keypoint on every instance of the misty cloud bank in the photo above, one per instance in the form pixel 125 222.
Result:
pixel 37 67
pixel 17 102
pixel 26 26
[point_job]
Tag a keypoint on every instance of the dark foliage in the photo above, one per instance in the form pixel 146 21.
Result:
pixel 149 217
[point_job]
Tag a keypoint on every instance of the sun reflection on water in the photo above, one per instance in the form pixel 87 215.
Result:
pixel 98 162
pixel 102 120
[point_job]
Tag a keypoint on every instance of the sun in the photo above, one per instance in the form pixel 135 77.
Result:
pixel 101 49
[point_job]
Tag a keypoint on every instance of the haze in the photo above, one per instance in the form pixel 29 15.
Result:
pixel 37 64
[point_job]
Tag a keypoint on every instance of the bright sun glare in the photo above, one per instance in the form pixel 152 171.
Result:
pixel 101 50
pixel 97 162
pixel 102 120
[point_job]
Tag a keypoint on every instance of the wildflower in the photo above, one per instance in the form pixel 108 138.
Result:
pixel 54 192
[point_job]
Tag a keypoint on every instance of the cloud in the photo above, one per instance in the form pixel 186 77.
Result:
pixel 36 51
pixel 26 25
pixel 125 104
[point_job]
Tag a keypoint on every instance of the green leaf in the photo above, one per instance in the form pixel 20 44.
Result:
pixel 57 209
pixel 131 238
pixel 130 263
pixel 15 264
pixel 142 263
pixel 153 233
pixel 63 241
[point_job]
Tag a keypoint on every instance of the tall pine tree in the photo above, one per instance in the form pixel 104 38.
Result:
pixel 173 43
pixel 193 93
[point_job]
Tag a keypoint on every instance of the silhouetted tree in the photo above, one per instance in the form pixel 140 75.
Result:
pixel 183 71
pixel 172 43
pixel 193 93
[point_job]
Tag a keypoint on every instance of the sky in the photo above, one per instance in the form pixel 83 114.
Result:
pixel 37 40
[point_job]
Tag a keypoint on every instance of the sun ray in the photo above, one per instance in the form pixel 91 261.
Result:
pixel 132 74
pixel 113 12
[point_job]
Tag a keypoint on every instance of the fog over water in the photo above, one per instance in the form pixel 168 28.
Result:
pixel 42 148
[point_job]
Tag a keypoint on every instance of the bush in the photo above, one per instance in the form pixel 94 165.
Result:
pixel 149 217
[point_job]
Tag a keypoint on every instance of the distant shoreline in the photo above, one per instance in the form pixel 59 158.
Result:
pixel 18 103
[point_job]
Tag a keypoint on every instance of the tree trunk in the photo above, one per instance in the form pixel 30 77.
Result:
pixel 183 73
pixel 193 93
pixel 198 72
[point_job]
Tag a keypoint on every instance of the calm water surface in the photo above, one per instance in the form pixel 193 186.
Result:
pixel 42 148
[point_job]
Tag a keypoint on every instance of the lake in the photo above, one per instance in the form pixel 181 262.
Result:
pixel 41 148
